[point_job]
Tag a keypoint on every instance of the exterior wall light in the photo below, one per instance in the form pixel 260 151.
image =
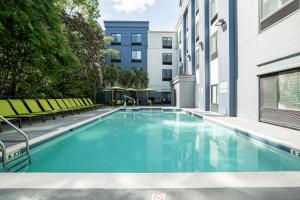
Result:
pixel 220 22
pixel 201 46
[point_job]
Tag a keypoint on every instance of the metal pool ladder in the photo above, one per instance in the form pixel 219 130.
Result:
pixel 15 161
pixel 128 97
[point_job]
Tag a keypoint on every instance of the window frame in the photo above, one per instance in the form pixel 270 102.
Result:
pixel 167 62
pixel 214 55
pixel 116 42
pixel 116 59
pixel 136 60
pixel 277 15
pixel 136 43
pixel 167 78
pixel 167 46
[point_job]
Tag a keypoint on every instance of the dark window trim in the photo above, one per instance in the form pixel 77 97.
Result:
pixel 167 46
pixel 116 43
pixel 167 62
pixel 167 78
pixel 197 11
pixel 214 19
pixel 279 15
pixel 136 60
pixel 136 43
pixel 115 60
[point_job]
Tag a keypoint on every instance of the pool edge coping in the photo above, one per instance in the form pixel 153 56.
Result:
pixel 34 142
pixel 150 181
pixel 275 142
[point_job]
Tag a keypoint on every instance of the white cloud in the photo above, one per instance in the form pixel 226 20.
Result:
pixel 130 6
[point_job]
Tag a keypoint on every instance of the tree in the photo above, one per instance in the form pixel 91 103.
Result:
pixel 32 45
pixel 139 78
pixel 86 42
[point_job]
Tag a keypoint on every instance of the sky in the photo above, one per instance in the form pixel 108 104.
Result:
pixel 162 14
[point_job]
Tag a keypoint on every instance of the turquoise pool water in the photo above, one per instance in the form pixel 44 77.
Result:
pixel 156 141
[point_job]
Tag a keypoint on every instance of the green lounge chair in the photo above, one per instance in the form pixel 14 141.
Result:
pixel 35 108
pixel 7 112
pixel 63 106
pixel 97 105
pixel 56 106
pixel 47 108
pixel 81 105
pixel 119 102
pixel 69 105
pixel 72 102
pixel 21 109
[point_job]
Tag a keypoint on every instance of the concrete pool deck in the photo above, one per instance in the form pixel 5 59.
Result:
pixel 280 135
pixel 189 186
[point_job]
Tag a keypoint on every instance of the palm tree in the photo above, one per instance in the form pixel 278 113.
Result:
pixel 140 80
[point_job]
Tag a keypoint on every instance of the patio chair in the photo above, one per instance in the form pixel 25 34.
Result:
pixel 46 107
pixel 35 108
pixel 63 106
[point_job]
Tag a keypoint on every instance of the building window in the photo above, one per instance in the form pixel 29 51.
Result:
pixel 166 75
pixel 213 11
pixel 116 58
pixel 167 43
pixel 280 98
pixel 273 11
pixel 136 56
pixel 214 98
pixel 214 46
pixel 136 39
pixel 117 39
pixel 167 59
pixel 197 59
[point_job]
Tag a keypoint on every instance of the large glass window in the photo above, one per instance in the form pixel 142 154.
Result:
pixel 167 42
pixel 166 75
pixel 280 98
pixel 214 46
pixel 136 56
pixel 274 10
pixel 167 59
pixel 117 38
pixel 268 7
pixel 136 39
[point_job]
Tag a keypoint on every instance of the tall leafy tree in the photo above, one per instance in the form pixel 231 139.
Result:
pixel 33 46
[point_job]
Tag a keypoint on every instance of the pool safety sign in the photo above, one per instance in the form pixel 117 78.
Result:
pixel 158 196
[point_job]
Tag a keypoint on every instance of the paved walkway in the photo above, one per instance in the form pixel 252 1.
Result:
pixel 281 135
pixel 168 194
pixel 39 128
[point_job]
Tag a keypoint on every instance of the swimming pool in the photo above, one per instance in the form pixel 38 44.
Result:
pixel 153 141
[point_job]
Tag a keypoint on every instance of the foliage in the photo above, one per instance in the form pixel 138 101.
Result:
pixel 50 48
pixel 114 75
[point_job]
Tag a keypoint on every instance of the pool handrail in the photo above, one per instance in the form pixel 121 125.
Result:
pixel 26 140
pixel 128 97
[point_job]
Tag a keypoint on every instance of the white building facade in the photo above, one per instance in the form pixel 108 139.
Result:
pixel 244 57
pixel 162 62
